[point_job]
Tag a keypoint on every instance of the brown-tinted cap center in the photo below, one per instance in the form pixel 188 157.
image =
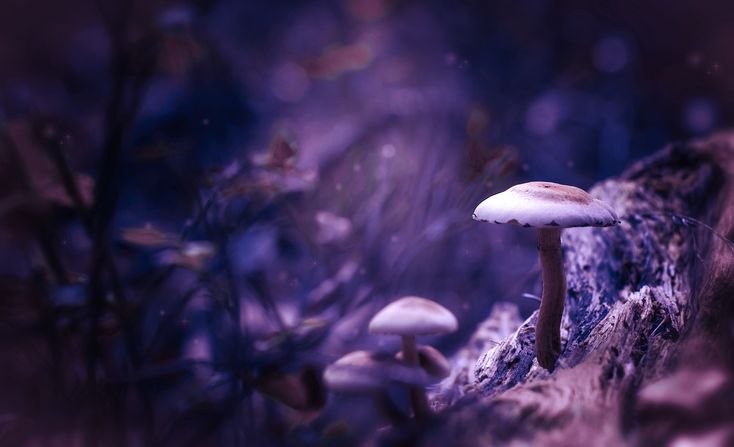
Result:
pixel 553 192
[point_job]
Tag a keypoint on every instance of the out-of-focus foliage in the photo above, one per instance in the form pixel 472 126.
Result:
pixel 202 203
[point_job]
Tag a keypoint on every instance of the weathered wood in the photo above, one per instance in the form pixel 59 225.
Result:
pixel 503 321
pixel 650 298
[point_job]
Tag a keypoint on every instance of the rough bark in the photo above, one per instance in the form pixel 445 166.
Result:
pixel 647 331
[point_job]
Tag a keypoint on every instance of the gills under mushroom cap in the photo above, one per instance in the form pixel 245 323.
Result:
pixel 413 315
pixel 546 205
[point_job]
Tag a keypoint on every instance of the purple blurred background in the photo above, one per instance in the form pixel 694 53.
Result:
pixel 254 180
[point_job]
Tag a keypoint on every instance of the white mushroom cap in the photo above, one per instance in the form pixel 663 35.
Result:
pixel 431 360
pixel 546 204
pixel 366 372
pixel 413 315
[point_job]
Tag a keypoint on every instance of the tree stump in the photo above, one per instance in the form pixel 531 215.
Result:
pixel 648 327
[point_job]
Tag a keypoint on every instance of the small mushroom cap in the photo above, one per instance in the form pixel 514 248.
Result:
pixel 412 315
pixel 431 360
pixel 546 205
pixel 367 372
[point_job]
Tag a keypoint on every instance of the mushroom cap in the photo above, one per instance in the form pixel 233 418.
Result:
pixel 431 360
pixel 413 315
pixel 367 372
pixel 546 205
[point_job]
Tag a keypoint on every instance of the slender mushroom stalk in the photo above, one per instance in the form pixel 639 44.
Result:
pixel 409 349
pixel 417 395
pixel 435 365
pixel 548 327
pixel 548 207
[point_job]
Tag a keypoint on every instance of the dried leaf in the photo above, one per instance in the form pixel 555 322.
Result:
pixel 149 236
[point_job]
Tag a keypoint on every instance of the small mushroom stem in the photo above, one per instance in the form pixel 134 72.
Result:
pixel 417 395
pixel 548 327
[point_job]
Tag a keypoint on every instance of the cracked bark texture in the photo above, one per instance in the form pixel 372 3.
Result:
pixel 647 331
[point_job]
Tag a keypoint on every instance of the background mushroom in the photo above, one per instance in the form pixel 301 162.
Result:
pixel 369 373
pixel 548 207
pixel 408 317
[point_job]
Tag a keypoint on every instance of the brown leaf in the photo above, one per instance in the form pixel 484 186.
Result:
pixel 149 236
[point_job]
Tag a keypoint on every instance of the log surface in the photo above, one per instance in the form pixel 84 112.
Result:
pixel 646 354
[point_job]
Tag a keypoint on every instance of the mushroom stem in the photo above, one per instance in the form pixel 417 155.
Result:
pixel 417 395
pixel 548 327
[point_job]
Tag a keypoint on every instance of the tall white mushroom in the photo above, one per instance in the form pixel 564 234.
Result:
pixel 548 207
pixel 408 317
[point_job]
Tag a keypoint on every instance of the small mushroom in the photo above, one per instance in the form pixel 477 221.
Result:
pixel 408 317
pixel 369 373
pixel 548 207
pixel 431 361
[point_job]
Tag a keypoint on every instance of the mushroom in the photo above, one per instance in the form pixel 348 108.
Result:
pixel 369 373
pixel 408 317
pixel 548 207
